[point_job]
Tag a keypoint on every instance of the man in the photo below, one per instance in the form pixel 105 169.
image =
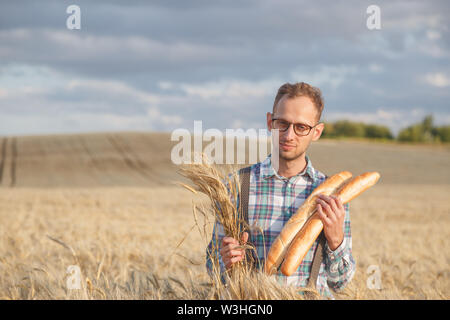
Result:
pixel 275 196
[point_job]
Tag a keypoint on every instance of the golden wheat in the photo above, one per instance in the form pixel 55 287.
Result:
pixel 149 242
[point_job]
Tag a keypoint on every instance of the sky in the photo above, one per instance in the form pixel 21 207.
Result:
pixel 161 65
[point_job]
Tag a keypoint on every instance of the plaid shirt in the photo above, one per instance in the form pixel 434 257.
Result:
pixel 273 199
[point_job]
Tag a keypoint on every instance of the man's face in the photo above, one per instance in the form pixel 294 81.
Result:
pixel 295 110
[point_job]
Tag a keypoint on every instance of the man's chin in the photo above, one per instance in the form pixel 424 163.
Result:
pixel 289 156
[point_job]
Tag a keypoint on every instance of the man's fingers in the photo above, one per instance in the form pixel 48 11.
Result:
pixel 229 240
pixel 229 243
pixel 322 215
pixel 234 253
pixel 229 254
pixel 244 237
pixel 232 260
pixel 229 251
pixel 333 205
pixel 326 208
pixel 236 259
pixel 339 203
pixel 338 208
pixel 330 201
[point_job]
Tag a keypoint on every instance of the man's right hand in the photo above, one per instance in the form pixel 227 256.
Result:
pixel 229 254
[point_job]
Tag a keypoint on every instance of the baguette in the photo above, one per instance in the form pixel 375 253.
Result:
pixel 296 222
pixel 305 238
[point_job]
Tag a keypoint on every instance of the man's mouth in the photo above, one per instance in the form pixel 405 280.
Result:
pixel 286 146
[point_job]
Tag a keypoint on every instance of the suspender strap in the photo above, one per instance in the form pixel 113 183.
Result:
pixel 244 175
pixel 317 260
pixel 245 186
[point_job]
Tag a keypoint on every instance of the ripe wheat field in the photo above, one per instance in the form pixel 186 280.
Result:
pixel 108 204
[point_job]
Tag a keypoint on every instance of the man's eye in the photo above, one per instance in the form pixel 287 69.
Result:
pixel 283 124
pixel 302 127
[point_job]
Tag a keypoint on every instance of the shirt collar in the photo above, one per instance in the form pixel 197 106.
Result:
pixel 268 171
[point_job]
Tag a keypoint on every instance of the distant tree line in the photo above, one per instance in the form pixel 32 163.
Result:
pixel 424 131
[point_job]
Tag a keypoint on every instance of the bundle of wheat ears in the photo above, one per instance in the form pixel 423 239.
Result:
pixel 242 281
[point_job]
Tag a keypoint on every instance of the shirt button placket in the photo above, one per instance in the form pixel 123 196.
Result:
pixel 290 184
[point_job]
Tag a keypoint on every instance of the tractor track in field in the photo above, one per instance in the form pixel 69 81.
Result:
pixel 94 161
pixel 128 161
pixel 3 157
pixel 13 161
pixel 141 165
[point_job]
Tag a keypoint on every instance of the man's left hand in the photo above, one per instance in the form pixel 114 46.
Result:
pixel 332 214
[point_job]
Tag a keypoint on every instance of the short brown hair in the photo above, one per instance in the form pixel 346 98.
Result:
pixel 301 89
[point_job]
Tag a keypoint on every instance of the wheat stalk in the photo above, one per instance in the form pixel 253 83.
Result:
pixel 222 191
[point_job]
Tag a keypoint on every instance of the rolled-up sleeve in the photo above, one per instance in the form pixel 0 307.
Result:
pixel 339 264
pixel 214 263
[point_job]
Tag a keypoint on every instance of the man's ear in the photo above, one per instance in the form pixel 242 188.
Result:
pixel 269 120
pixel 317 131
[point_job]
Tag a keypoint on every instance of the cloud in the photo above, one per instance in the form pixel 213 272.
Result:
pixel 164 64
pixel 69 47
pixel 332 76
pixel 113 89
pixel 168 120
pixel 230 89
pixel 375 68
pixel 433 35
pixel 437 79
pixel 74 122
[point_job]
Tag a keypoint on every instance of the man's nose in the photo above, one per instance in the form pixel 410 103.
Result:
pixel 289 134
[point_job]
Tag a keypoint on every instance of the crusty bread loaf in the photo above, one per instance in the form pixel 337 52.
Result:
pixel 305 238
pixel 295 223
pixel 354 187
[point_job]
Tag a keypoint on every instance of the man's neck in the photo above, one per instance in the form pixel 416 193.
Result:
pixel 290 168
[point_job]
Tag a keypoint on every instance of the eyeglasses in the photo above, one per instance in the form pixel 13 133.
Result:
pixel 300 129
